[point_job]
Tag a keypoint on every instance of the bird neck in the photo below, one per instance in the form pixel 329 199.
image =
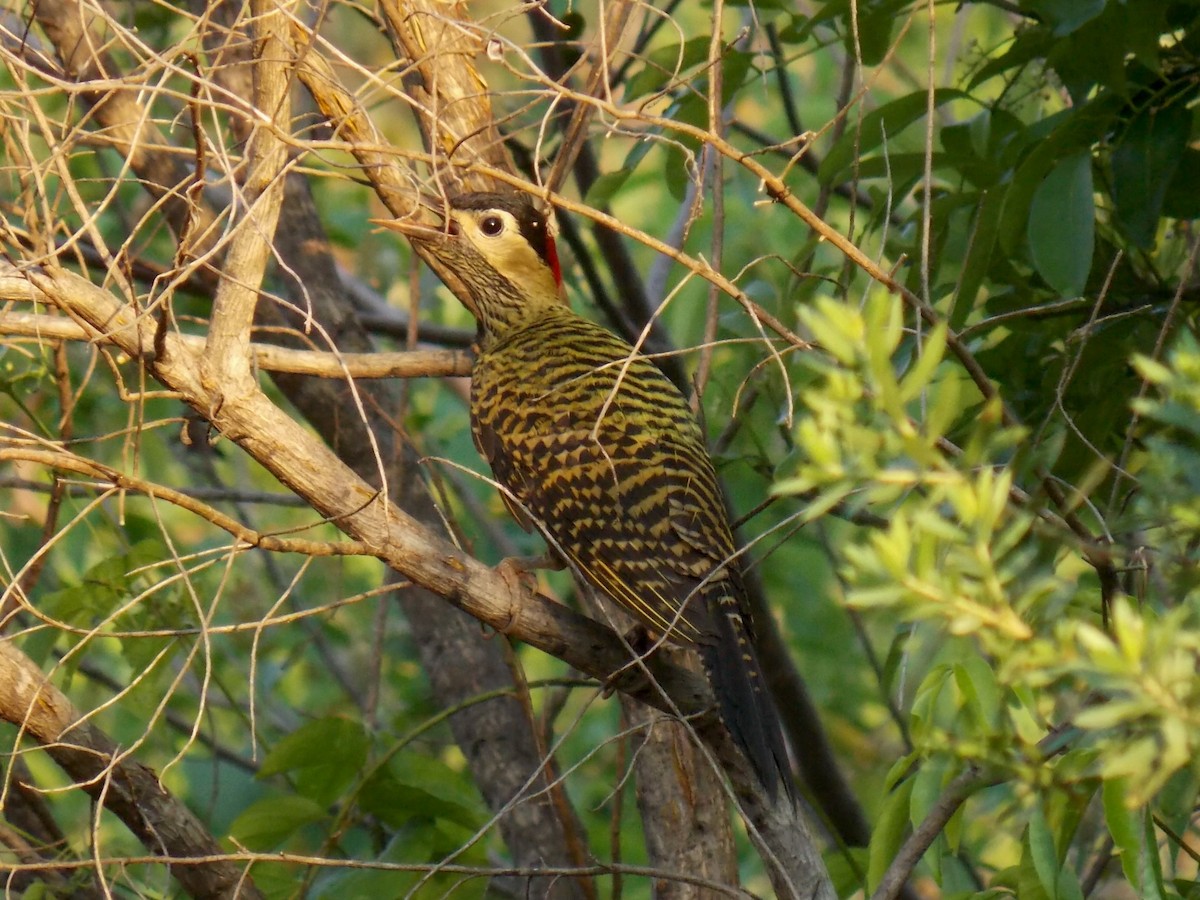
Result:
pixel 501 312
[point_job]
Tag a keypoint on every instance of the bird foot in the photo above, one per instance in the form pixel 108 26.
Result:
pixel 518 570
pixel 517 573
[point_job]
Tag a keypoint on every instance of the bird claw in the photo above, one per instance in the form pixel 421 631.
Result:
pixel 517 573
pixel 518 570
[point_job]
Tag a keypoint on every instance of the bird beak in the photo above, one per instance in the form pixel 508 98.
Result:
pixel 415 231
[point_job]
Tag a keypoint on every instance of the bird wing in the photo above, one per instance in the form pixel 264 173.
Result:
pixel 605 457
pixel 636 510
pixel 488 443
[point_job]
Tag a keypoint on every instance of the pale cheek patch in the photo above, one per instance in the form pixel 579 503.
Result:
pixel 511 254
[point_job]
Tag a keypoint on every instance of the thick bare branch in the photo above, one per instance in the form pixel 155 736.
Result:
pixel 266 357
pixel 451 99
pixel 227 353
pixel 687 824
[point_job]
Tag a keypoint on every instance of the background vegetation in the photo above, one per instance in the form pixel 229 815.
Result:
pixel 930 272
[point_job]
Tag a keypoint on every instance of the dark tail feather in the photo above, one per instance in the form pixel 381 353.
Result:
pixel 746 706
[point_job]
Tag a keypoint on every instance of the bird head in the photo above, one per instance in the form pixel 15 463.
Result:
pixel 501 249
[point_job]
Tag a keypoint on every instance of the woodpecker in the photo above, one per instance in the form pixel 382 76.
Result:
pixel 601 452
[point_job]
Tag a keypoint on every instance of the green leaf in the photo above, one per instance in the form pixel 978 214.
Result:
pixel 1028 45
pixel 1050 141
pixel 269 822
pixel 1062 225
pixel 889 832
pixel 1066 16
pixel 1143 166
pixel 985 230
pixel 679 170
pixel 977 681
pixel 846 867
pixel 1094 52
pixel 324 757
pixel 976 148
pixel 880 124
pixel 958 879
pixel 1039 860
pixel 1068 887
pixel 1182 200
pixel 876 21
pixel 798 30
pixel 837 328
pixel 928 787
pixel 902 170
pixel 665 63
pixel 414 786
pixel 142 652
pixel 603 188
pixel 1151 883
pixel 921 374
pixel 1143 29
pixel 1122 825
pixel 739 70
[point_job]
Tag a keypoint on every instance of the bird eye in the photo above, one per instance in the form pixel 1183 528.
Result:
pixel 492 226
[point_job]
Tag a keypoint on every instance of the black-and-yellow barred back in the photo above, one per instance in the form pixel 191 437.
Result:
pixel 602 453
